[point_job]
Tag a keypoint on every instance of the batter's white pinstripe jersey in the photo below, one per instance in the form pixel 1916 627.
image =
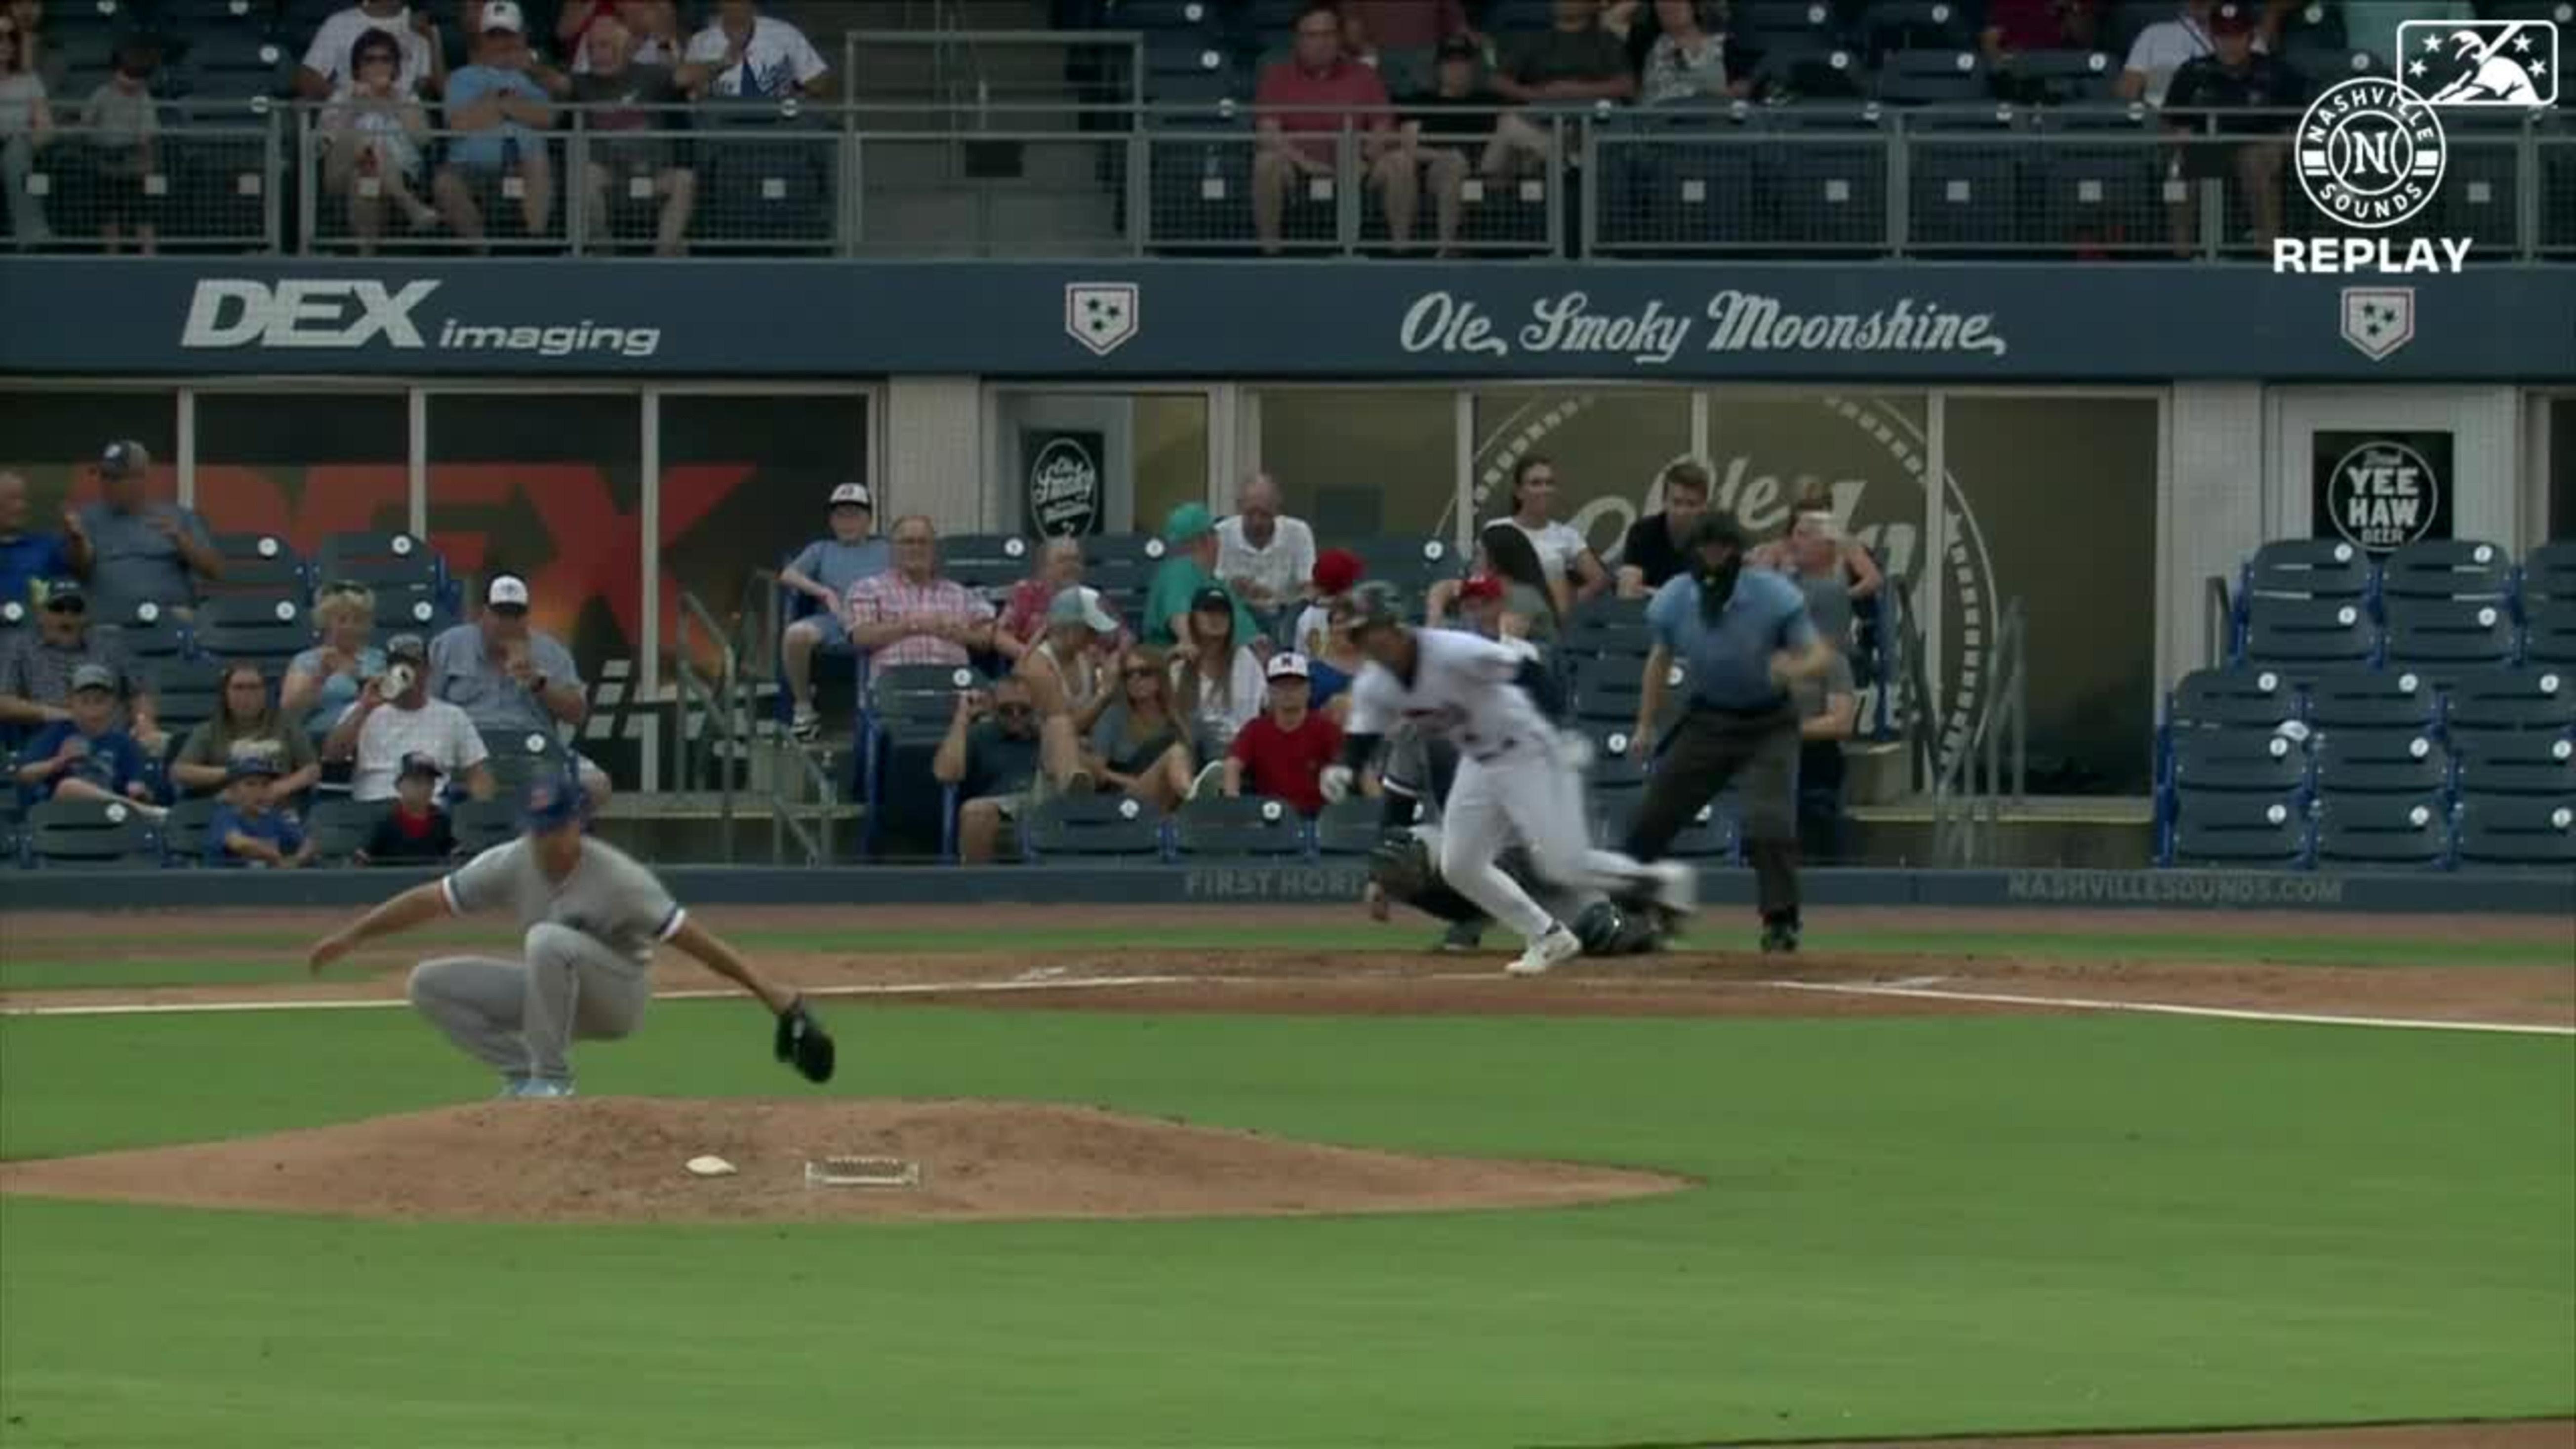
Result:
pixel 1465 689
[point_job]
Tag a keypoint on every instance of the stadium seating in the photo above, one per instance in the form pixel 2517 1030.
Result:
pixel 1711 838
pixel 991 562
pixel 185 702
pixel 2447 569
pixel 259 563
pixel 2290 633
pixel 2370 699
pixel 155 638
pixel 2381 762
pixel 2522 699
pixel 90 835
pixel 2499 832
pixel 1245 828
pixel 2550 572
pixel 2381 832
pixel 2227 699
pixel 518 758
pixel 908 710
pixel 2309 568
pixel 264 629
pixel 2441 631
pixel 2549 633
pixel 1092 829
pixel 1350 828
pixel 2220 830
pixel 481 824
pixel 183 833
pixel 394 565
pixel 339 829
pixel 2535 764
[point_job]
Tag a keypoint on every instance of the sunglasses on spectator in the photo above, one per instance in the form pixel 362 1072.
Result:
pixel 67 606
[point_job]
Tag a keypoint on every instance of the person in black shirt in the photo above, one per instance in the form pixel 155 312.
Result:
pixel 1447 125
pixel 1654 549
pixel 413 830
pixel 2234 77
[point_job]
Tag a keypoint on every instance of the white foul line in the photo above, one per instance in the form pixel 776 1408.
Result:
pixel 2165 1008
pixel 898 988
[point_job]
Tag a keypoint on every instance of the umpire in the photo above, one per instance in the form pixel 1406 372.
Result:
pixel 1743 639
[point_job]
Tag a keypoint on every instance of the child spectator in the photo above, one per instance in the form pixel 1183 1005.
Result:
pixel 1337 572
pixel 249 829
pixel 414 831
pixel 86 757
pixel 824 572
pixel 1282 754
pixel 124 127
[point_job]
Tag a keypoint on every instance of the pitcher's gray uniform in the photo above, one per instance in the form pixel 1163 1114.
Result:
pixel 589 950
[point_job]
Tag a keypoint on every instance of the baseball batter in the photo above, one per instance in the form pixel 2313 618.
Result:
pixel 1516 778
pixel 593 917
pixel 1744 638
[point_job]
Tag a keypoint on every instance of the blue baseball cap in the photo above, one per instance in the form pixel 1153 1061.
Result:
pixel 255 765
pixel 553 803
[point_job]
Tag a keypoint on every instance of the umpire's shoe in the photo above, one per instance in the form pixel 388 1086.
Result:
pixel 1780 936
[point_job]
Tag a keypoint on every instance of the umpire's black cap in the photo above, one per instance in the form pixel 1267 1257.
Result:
pixel 1716 528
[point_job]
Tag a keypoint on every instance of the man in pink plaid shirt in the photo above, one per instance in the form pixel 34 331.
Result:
pixel 910 614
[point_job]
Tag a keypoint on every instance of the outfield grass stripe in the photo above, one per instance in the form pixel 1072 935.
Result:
pixel 2166 1008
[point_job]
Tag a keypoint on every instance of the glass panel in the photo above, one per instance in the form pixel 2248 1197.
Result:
pixel 1098 462
pixel 549 486
pixel 303 467
pixel 746 482
pixel 52 438
pixel 2064 540
pixel 2562 467
pixel 1355 463
pixel 1609 447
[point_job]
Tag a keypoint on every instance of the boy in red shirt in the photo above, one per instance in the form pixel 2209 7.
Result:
pixel 1283 753
pixel 414 831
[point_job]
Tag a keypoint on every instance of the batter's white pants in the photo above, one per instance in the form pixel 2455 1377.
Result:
pixel 521 1017
pixel 1538 801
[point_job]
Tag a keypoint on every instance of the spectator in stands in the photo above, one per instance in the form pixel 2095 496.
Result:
pixel 251 827
pixel 1186 576
pixel 26 557
pixel 991 754
pixel 1058 567
pixel 655 26
pixel 1138 746
pixel 624 96
pixel 84 756
pixel 749 55
pixel 415 831
pixel 911 613
pixel 825 573
pixel 2162 48
pixel 141 551
pixel 1828 704
pixel 247 724
pixel 1653 550
pixel 26 127
pixel 1410 25
pixel 2234 77
pixel 1573 572
pixel 1514 601
pixel 1265 557
pixel 395 717
pixel 329 66
pixel 1337 571
pixel 1449 130
pixel 323 681
pixel 2016 26
pixel 1281 754
pixel 375 130
pixel 500 108
pixel 50 64
pixel 38 665
pixel 1335 668
pixel 1216 678
pixel 1303 104
pixel 510 677
pixel 1836 574
pixel 1573 61
pixel 1689 62
pixel 1071 684
pixel 122 131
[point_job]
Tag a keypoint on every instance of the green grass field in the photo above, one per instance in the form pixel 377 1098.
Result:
pixel 1902 1226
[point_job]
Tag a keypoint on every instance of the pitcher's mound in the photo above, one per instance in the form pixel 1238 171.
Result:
pixel 623 1159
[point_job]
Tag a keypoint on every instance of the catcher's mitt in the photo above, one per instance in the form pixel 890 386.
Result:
pixel 803 1044
pixel 1401 865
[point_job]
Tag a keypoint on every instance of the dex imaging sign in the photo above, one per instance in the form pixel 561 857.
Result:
pixel 360 314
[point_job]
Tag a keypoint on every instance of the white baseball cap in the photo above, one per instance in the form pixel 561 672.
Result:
pixel 507 591
pixel 1078 605
pixel 854 493
pixel 503 15
pixel 1288 665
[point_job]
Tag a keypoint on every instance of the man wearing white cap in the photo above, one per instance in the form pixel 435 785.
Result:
pixel 1070 683
pixel 824 573
pixel 501 112
pixel 1283 753
pixel 510 678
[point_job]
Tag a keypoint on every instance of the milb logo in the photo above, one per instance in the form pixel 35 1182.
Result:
pixel 347 316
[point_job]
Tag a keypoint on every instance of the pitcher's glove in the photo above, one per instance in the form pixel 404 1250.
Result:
pixel 803 1044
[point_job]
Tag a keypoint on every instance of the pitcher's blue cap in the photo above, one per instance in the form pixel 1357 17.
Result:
pixel 552 804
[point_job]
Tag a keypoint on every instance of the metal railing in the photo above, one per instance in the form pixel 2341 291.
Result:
pixel 711 731
pixel 804 801
pixel 1991 767
pixel 1004 178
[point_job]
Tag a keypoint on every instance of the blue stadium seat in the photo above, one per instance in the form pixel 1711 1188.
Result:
pixel 2059 77
pixel 519 758
pixel 2499 833
pixel 183 834
pixel 1092 829
pixel 423 614
pixel 2239 762
pixel 151 635
pixel 1614 786
pixel 259 563
pixel 2447 569
pixel 2315 632
pixel 1410 563
pixel 1606 691
pixel 267 630
pixel 1711 836
pixel 480 825
pixel 393 565
pixel 340 828
pixel 1349 827
pixel 2395 831
pixel 2309 568
pixel 2224 699
pixel 185 699
pixel 2527 699
pixel 2550 572
pixel 908 707
pixel 2381 762
pixel 2239 831
pixel 1892 28
pixel 1245 828
pixel 89 835
pixel 2434 631
pixel 987 561
pixel 1932 77
pixel 2368 699
pixel 2549 636
pixel 2535 764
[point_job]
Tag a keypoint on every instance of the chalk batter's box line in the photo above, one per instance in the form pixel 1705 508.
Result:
pixel 1906 990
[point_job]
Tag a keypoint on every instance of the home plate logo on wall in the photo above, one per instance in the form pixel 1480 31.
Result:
pixel 1101 315
pixel 2378 320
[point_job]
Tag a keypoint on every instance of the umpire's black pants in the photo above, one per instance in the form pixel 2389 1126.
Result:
pixel 1709 750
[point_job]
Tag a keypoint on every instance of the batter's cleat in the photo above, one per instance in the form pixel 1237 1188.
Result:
pixel 1780 938
pixel 1676 886
pixel 1463 937
pixel 1557 944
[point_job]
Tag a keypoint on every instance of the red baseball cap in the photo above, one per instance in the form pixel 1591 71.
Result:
pixel 1336 569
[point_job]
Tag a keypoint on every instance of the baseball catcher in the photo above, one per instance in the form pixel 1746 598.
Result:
pixel 1404 871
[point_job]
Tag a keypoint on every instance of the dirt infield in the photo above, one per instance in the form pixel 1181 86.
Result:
pixel 624 1160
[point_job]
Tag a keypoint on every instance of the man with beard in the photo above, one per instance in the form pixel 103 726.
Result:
pixel 1746 641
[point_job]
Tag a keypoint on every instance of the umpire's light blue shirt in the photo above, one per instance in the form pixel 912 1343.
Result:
pixel 1729 661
